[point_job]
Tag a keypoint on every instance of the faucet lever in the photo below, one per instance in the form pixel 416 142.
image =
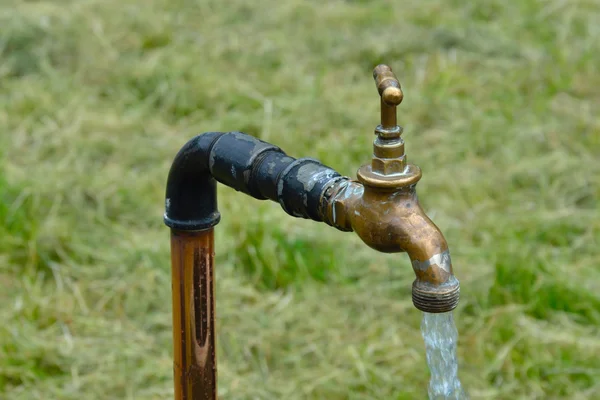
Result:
pixel 388 147
pixel 388 85
pixel 391 94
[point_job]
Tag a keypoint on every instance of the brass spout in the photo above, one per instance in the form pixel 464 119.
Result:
pixel 392 221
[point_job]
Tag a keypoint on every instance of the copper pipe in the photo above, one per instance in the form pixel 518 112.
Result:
pixel 195 366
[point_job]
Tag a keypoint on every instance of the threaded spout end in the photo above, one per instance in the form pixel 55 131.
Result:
pixel 436 299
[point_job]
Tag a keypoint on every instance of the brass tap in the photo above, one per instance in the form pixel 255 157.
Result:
pixel 383 208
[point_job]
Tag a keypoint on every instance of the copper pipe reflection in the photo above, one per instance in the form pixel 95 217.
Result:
pixel 195 367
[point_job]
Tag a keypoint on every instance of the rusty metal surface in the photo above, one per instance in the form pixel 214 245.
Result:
pixel 195 366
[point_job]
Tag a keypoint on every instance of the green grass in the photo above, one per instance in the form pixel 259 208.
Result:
pixel 501 111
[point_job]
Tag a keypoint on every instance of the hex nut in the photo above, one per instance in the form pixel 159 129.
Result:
pixel 388 166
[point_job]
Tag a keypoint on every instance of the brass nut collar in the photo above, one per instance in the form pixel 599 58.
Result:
pixel 389 133
pixel 388 148
pixel 388 166
pixel 411 175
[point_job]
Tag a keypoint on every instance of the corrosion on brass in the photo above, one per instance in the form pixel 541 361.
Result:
pixel 195 367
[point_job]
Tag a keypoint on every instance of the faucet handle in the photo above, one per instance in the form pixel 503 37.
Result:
pixel 388 85
pixel 391 94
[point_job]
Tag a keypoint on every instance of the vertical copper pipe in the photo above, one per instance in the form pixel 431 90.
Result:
pixel 195 366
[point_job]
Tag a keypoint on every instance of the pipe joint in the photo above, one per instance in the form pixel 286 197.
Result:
pixel 246 164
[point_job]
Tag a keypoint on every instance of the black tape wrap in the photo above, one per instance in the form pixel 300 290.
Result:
pixel 246 164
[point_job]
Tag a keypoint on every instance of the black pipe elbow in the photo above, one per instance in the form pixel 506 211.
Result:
pixel 191 198
pixel 246 164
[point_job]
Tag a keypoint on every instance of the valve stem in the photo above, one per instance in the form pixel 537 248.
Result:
pixel 388 147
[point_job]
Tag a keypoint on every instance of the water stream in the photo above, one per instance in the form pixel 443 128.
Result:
pixel 440 335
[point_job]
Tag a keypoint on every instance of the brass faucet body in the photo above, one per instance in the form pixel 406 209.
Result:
pixel 383 209
pixel 391 220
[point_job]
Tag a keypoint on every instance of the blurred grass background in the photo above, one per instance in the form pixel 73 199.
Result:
pixel 501 112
